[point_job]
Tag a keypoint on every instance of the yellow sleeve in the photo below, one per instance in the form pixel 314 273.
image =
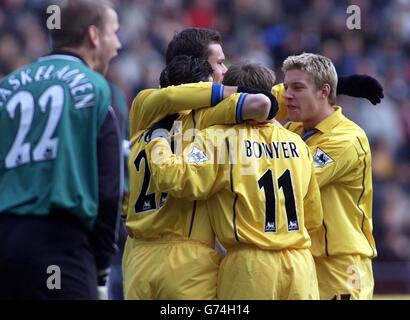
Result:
pixel 225 112
pixel 333 161
pixel 151 105
pixel 278 91
pixel 195 175
pixel 312 204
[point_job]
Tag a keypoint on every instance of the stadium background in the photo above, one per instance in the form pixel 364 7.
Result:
pixel 267 31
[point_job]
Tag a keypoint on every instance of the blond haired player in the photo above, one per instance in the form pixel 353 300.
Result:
pixel 342 160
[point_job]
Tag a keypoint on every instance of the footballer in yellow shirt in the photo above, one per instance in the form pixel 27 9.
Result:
pixel 342 160
pixel 174 235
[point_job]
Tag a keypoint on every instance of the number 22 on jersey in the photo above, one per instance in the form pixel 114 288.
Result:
pixel 46 148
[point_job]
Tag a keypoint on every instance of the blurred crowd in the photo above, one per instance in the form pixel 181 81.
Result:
pixel 267 31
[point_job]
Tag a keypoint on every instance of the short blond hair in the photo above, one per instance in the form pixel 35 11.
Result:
pixel 319 67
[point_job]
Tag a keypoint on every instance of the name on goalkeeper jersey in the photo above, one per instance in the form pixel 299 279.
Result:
pixel 81 89
pixel 273 150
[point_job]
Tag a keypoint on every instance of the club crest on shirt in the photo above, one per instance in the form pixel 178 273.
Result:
pixel 321 158
pixel 146 206
pixel 197 156
pixel 293 225
pixel 270 227
pixel 163 198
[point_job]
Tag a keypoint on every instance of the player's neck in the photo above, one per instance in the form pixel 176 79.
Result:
pixel 83 53
pixel 325 111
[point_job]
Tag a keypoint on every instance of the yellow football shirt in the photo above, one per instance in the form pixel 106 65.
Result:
pixel 154 215
pixel 342 160
pixel 258 179
pixel 152 105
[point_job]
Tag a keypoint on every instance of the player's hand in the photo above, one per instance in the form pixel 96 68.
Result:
pixel 360 86
pixel 274 107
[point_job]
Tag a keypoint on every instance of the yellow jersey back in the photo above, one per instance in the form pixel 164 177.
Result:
pixel 258 181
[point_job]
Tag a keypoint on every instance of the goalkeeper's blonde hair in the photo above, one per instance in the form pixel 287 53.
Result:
pixel 319 67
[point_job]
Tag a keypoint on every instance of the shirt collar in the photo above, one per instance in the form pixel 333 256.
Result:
pixel 331 121
pixel 64 53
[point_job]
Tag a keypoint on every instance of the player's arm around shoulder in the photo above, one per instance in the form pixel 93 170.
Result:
pixel 194 174
pixel 256 107
pixel 151 105
pixel 235 109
